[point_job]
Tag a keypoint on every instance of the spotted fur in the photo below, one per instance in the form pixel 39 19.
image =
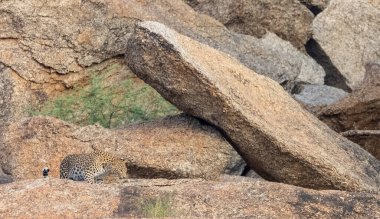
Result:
pixel 92 166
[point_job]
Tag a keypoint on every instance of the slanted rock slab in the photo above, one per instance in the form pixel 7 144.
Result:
pixel 273 133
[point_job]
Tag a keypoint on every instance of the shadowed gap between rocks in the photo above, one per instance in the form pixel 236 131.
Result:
pixel 247 168
pixel 135 171
pixel 333 76
pixel 314 9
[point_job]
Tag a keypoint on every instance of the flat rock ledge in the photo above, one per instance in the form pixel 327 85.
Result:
pixel 173 147
pixel 182 198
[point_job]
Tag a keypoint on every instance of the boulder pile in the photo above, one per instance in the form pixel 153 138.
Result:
pixel 280 106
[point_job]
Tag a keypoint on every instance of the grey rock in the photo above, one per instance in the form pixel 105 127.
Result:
pixel 317 95
pixel 5 178
pixel 348 32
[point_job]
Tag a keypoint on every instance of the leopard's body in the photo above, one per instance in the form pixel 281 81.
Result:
pixel 92 166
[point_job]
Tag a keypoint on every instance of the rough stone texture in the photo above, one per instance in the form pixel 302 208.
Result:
pixel 4 178
pixel 348 32
pixel 35 143
pixel 77 41
pixel 317 95
pixel 288 19
pixel 251 199
pixel 274 134
pixel 359 110
pixel 368 139
pixel 175 147
pixel 269 55
pixel 54 198
pixel 47 47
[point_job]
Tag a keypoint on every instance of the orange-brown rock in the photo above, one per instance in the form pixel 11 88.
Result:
pixel 368 139
pixel 273 133
pixel 174 147
pixel 55 198
pixel 289 19
pixel 357 115
pixel 359 110
pixel 44 53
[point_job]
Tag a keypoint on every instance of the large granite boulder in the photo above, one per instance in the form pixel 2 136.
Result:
pixel 273 133
pixel 288 19
pixel 348 32
pixel 174 147
pixel 54 198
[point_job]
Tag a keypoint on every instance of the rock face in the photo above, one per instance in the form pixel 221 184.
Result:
pixel 44 53
pixel 275 136
pixel 357 112
pixel 348 32
pixel 35 143
pixel 54 198
pixel 319 95
pixel 176 147
pixel 288 19
pixel 4 178
pixel 47 52
pixel 368 139
pixel 269 55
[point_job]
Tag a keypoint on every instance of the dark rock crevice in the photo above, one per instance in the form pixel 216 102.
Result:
pixel 333 75
pixel 314 9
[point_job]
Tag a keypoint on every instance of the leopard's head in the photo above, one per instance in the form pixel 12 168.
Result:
pixel 119 167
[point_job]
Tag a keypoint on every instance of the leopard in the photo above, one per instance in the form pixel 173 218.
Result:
pixel 92 167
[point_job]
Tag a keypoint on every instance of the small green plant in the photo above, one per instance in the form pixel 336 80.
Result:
pixel 157 207
pixel 110 106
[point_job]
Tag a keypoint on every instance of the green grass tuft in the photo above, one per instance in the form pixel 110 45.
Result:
pixel 126 101
pixel 157 207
